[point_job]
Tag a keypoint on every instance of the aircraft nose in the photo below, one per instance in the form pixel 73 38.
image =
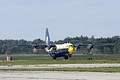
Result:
pixel 71 49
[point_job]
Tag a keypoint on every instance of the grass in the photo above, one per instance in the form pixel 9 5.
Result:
pixel 105 69
pixel 33 62
pixel 74 57
pixel 31 59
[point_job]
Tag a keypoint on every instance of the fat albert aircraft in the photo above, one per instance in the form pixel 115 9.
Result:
pixel 57 50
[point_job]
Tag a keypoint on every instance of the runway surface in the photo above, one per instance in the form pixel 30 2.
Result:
pixel 55 75
pixel 9 66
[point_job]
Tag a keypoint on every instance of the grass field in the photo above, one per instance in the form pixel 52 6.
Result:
pixel 102 69
pixel 74 57
pixel 33 59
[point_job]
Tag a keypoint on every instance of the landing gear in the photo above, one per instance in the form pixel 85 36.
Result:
pixel 53 56
pixel 90 58
pixel 66 57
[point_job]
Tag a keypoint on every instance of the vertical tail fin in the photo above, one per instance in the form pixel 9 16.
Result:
pixel 47 37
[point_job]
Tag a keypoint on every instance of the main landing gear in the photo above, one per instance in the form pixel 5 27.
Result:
pixel 54 56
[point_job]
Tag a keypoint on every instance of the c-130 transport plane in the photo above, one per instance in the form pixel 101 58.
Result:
pixel 58 50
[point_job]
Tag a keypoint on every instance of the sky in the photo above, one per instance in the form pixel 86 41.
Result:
pixel 28 19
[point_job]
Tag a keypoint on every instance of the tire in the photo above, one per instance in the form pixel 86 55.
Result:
pixel 54 56
pixel 66 57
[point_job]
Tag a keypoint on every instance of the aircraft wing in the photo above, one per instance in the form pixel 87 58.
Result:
pixel 31 45
pixel 40 46
pixel 90 46
pixel 107 44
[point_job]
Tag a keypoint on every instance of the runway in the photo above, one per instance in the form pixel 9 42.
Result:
pixel 56 75
pixel 9 66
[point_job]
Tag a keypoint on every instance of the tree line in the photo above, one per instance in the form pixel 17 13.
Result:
pixel 112 49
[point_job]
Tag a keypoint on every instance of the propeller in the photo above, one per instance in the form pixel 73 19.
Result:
pixel 90 47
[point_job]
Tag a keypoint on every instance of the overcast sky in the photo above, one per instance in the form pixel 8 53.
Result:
pixel 28 19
